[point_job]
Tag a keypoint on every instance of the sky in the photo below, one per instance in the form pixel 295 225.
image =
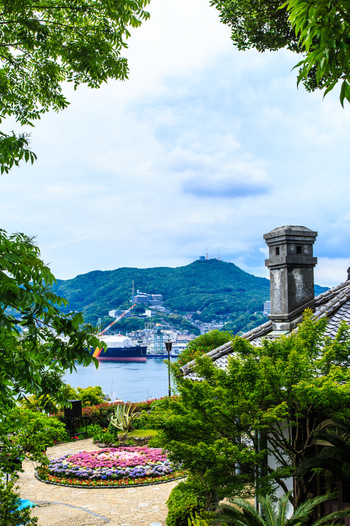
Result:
pixel 203 150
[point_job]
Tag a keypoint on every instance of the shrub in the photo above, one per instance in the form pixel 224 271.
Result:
pixel 69 392
pixel 100 414
pixel 142 421
pixel 144 406
pixel 105 436
pixel 91 395
pixel 197 520
pixel 185 500
pixel 32 431
pixel 10 515
pixel 88 395
pixel 203 344
pixel 95 432
pixel 93 415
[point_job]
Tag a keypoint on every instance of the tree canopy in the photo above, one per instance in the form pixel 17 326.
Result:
pixel 258 24
pixel 318 29
pixel 37 342
pixel 323 29
pixel 203 344
pixel 261 413
pixel 44 43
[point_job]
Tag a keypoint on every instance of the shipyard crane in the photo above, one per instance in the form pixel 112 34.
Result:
pixel 117 319
pixel 98 351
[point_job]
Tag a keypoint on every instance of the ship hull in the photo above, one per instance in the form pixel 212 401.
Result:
pixel 123 354
pixel 120 359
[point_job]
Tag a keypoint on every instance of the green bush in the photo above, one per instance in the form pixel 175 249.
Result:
pixel 95 432
pixel 203 344
pixel 105 436
pixel 10 515
pixel 32 431
pixel 197 520
pixel 142 421
pixel 93 415
pixel 185 500
pixel 146 406
pixel 100 414
pixel 89 396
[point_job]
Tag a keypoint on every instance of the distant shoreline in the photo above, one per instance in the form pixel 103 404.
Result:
pixel 165 356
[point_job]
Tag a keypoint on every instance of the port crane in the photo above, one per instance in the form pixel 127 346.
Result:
pixel 98 351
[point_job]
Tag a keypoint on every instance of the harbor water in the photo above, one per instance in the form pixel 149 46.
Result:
pixel 127 381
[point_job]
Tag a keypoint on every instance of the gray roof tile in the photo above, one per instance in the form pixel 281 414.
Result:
pixel 334 303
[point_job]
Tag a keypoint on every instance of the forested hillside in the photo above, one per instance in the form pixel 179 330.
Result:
pixel 210 289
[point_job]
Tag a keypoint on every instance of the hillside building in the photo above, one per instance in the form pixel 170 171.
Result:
pixel 153 300
pixel 115 313
pixel 267 308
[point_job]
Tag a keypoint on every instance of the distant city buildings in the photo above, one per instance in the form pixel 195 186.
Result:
pixel 156 332
pixel 115 313
pixel 206 327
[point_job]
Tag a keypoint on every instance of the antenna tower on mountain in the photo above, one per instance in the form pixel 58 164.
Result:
pixel 133 291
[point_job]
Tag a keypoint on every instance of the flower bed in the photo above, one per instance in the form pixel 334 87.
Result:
pixel 121 466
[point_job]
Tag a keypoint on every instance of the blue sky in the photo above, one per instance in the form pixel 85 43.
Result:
pixel 204 148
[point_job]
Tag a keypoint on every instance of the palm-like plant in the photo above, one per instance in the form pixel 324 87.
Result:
pixel 124 416
pixel 242 513
pixel 334 458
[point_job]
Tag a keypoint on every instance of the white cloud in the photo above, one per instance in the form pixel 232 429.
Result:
pixel 237 179
pixel 203 148
pixel 331 271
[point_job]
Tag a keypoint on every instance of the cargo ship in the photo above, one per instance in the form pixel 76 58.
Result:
pixel 120 349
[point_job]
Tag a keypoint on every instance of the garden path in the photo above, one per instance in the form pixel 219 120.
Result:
pixel 61 506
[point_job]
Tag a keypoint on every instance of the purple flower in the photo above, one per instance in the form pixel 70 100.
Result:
pixel 112 463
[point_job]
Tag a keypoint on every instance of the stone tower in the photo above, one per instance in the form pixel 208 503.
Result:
pixel 291 264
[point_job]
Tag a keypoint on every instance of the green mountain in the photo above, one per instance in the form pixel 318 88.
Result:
pixel 210 288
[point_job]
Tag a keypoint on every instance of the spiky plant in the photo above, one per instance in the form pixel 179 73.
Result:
pixel 242 513
pixel 124 416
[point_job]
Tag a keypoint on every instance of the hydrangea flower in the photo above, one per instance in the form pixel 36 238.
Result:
pixel 112 464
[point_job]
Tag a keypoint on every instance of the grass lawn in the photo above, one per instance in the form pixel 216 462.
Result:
pixel 142 433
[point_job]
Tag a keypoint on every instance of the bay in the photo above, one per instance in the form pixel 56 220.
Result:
pixel 127 381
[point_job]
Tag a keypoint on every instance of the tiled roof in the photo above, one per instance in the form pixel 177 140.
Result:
pixel 334 303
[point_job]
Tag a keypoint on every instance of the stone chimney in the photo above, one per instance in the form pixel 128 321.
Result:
pixel 291 264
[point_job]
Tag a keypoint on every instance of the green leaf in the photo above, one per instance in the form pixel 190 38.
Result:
pixel 45 44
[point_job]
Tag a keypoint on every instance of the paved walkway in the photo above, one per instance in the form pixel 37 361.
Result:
pixel 61 506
